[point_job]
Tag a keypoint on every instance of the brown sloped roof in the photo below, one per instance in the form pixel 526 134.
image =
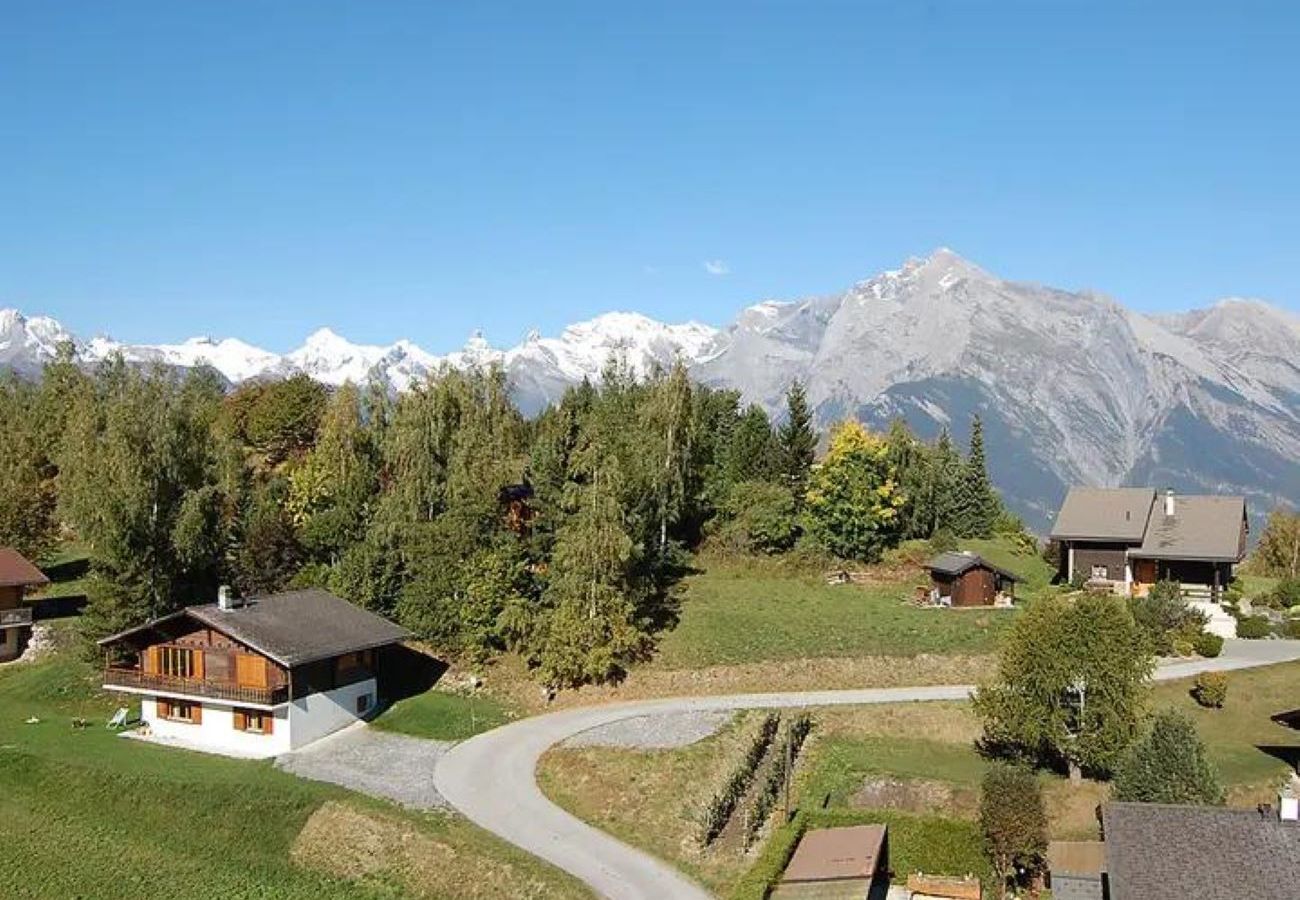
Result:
pixel 16 571
pixel 292 628
pixel 1158 851
pixel 1202 527
pixel 829 854
pixel 1104 514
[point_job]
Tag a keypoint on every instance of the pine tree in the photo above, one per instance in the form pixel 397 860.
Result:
pixel 946 482
pixel 976 505
pixel 1168 764
pixel 752 454
pixel 797 441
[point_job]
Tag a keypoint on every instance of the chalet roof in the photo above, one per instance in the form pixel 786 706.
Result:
pixel 1202 527
pixel 292 628
pixel 955 563
pixel 16 571
pixel 1104 514
pixel 827 854
pixel 1157 851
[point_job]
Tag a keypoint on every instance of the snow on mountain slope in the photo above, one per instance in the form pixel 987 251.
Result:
pixel 1072 386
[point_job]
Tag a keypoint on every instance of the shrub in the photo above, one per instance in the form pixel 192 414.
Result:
pixel 1165 617
pixel 1292 628
pixel 1253 627
pixel 1182 647
pixel 761 518
pixel 943 541
pixel 1210 689
pixel 1013 822
pixel 1208 645
pixel 1287 593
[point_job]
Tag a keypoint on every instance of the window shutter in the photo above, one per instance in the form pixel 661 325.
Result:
pixel 268 722
pixel 198 664
pixel 196 713
pixel 241 720
pixel 164 709
pixel 151 660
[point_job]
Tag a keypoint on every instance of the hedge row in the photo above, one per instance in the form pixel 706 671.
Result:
pixel 795 734
pixel 723 804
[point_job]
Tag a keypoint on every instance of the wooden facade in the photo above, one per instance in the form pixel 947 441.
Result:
pixel 977 586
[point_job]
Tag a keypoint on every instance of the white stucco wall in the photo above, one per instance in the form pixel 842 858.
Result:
pixel 317 715
pixel 216 730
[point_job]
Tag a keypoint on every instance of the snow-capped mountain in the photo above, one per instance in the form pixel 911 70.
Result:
pixel 1072 387
pixel 540 368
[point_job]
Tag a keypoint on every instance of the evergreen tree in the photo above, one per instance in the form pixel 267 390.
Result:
pixel 911 460
pixel 592 632
pixel 1168 764
pixel 753 453
pixel 797 441
pixel 977 506
pixel 27 495
pixel 946 483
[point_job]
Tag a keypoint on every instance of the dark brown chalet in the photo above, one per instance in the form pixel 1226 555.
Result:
pixel 1130 538
pixel 254 677
pixel 16 576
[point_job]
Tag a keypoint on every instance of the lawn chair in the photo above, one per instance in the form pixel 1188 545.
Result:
pixel 119 719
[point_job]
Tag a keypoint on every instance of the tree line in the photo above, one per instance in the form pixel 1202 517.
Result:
pixel 559 537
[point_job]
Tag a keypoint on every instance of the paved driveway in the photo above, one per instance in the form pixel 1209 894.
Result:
pixel 393 766
pixel 491 778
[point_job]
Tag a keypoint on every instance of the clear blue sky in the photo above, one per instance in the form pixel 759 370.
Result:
pixel 423 169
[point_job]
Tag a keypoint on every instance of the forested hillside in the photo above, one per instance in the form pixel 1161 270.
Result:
pixel 559 538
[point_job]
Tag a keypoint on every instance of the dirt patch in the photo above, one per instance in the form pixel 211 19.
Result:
pixel 1072 809
pixel 916 795
pixel 358 844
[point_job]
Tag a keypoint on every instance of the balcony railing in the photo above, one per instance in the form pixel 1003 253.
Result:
pixel 116 676
pixel 11 617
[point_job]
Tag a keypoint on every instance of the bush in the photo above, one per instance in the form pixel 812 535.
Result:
pixel 1292 628
pixel 1210 689
pixel 1287 593
pixel 943 541
pixel 761 517
pixel 1182 647
pixel 1253 627
pixel 1168 764
pixel 1165 617
pixel 1208 645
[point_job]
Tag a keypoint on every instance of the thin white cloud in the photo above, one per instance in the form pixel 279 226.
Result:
pixel 717 267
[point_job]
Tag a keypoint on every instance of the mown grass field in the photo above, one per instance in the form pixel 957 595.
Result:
pixel 744 611
pixel 445 716
pixel 89 814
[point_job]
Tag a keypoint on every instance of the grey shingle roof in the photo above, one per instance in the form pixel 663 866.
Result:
pixel 1156 851
pixel 1203 527
pixel 953 563
pixel 1104 514
pixel 293 628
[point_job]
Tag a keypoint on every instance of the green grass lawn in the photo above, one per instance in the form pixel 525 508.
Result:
pixel 736 612
pixel 444 716
pixel 89 814
pixel 1237 735
pixel 842 763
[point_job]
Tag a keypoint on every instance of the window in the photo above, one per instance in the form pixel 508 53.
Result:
pixel 255 721
pixel 176 661
pixel 363 703
pixel 1100 573
pixel 179 711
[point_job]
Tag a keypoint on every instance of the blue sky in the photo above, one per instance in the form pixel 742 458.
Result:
pixel 424 169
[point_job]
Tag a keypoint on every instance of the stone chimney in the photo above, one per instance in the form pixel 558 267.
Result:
pixel 1169 504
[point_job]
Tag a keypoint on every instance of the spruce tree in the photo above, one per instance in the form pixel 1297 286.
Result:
pixel 946 478
pixel 1168 764
pixel 977 504
pixel 797 441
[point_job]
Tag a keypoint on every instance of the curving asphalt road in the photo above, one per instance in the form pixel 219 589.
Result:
pixel 491 778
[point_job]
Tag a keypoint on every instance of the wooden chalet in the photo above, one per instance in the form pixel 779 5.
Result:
pixel 17 576
pixel 967 579
pixel 254 677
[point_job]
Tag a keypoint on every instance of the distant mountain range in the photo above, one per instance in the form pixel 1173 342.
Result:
pixel 1072 387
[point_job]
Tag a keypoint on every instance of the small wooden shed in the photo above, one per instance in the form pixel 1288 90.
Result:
pixel 967 579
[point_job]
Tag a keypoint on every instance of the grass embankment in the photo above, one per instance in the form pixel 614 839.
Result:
pixel 444 715
pixel 89 814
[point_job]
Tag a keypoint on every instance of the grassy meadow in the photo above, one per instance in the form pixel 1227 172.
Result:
pixel 89 814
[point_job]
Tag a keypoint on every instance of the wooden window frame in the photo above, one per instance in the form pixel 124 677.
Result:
pixel 176 661
pixel 265 721
pixel 168 711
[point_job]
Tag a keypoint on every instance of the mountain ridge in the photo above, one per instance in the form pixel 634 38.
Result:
pixel 1074 387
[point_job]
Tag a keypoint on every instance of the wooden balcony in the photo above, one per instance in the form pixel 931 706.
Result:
pixel 123 677
pixel 10 618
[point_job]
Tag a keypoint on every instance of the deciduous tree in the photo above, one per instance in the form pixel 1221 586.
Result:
pixel 853 499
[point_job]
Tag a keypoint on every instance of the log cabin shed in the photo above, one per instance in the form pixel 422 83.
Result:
pixel 967 579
